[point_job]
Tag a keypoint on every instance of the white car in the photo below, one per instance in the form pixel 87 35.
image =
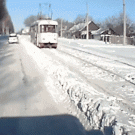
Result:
pixel 13 38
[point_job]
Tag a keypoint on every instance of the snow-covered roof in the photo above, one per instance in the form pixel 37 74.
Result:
pixel 85 25
pixel 99 31
pixel 96 32
pixel 77 27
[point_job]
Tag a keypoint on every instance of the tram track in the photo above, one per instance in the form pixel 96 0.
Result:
pixel 100 56
pixel 98 66
pixel 100 87
pixel 125 103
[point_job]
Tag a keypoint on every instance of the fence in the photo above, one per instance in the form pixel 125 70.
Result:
pixel 113 39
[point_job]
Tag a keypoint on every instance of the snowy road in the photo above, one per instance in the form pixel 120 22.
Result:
pixel 22 86
pixel 30 102
pixel 91 80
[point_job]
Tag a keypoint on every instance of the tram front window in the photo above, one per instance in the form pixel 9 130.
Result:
pixel 47 28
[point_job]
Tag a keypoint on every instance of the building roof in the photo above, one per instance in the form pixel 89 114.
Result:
pixel 85 25
pixel 77 27
pixel 101 31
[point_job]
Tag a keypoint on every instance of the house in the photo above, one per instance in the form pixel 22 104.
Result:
pixel 91 27
pixel 79 30
pixel 74 31
pixel 103 34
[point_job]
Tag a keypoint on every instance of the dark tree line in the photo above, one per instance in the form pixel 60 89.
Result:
pixel 3 11
pixel 5 18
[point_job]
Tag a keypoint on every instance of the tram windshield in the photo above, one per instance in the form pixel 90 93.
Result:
pixel 47 28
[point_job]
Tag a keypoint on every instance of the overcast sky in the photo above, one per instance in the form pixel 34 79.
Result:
pixel 68 9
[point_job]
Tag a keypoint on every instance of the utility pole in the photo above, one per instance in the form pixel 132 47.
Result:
pixel 51 14
pixel 124 22
pixel 87 35
pixel 61 27
pixel 3 27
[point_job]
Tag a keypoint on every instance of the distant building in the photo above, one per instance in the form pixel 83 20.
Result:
pixel 79 30
pixel 26 30
pixel 103 34
pixel 91 27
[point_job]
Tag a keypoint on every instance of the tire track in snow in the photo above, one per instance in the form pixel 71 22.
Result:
pixel 127 78
pixel 100 56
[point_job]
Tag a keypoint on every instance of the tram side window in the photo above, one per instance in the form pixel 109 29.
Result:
pixel 47 28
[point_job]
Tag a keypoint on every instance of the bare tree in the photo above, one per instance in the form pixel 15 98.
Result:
pixel 29 20
pixel 116 23
pixel 65 23
pixel 82 18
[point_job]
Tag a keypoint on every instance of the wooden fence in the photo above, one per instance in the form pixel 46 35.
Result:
pixel 113 39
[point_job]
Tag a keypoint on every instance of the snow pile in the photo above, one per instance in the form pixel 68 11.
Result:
pixel 101 111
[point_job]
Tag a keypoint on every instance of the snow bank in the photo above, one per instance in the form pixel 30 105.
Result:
pixel 100 110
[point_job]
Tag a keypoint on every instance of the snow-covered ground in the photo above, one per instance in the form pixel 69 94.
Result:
pixel 105 68
pixel 93 86
pixel 113 51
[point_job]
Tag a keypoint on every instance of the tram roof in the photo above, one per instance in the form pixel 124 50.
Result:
pixel 46 22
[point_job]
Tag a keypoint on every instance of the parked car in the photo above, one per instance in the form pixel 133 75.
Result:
pixel 13 38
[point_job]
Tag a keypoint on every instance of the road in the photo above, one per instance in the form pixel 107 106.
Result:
pixel 86 79
pixel 18 94
pixel 26 105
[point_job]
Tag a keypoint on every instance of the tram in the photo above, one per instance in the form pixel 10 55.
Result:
pixel 43 33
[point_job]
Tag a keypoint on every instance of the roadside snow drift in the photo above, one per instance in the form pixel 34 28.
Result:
pixel 99 110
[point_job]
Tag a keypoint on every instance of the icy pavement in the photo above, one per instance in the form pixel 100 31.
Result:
pixel 22 89
pixel 96 108
pixel 26 106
